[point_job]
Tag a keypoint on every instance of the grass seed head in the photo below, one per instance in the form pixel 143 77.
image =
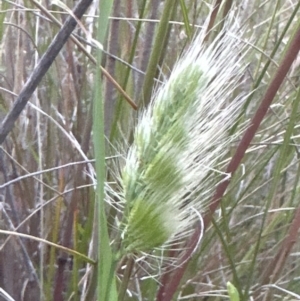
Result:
pixel 180 140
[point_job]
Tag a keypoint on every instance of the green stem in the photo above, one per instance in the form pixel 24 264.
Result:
pixel 157 50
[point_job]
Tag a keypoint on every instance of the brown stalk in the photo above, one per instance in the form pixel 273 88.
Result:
pixel 168 288
pixel 212 19
pixel 113 48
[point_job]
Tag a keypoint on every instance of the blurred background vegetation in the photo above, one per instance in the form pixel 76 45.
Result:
pixel 46 163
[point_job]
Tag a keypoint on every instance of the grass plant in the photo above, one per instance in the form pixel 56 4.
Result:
pixel 152 154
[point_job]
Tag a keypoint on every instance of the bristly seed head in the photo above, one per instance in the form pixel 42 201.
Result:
pixel 180 142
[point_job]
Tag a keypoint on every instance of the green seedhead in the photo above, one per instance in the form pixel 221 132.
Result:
pixel 180 140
